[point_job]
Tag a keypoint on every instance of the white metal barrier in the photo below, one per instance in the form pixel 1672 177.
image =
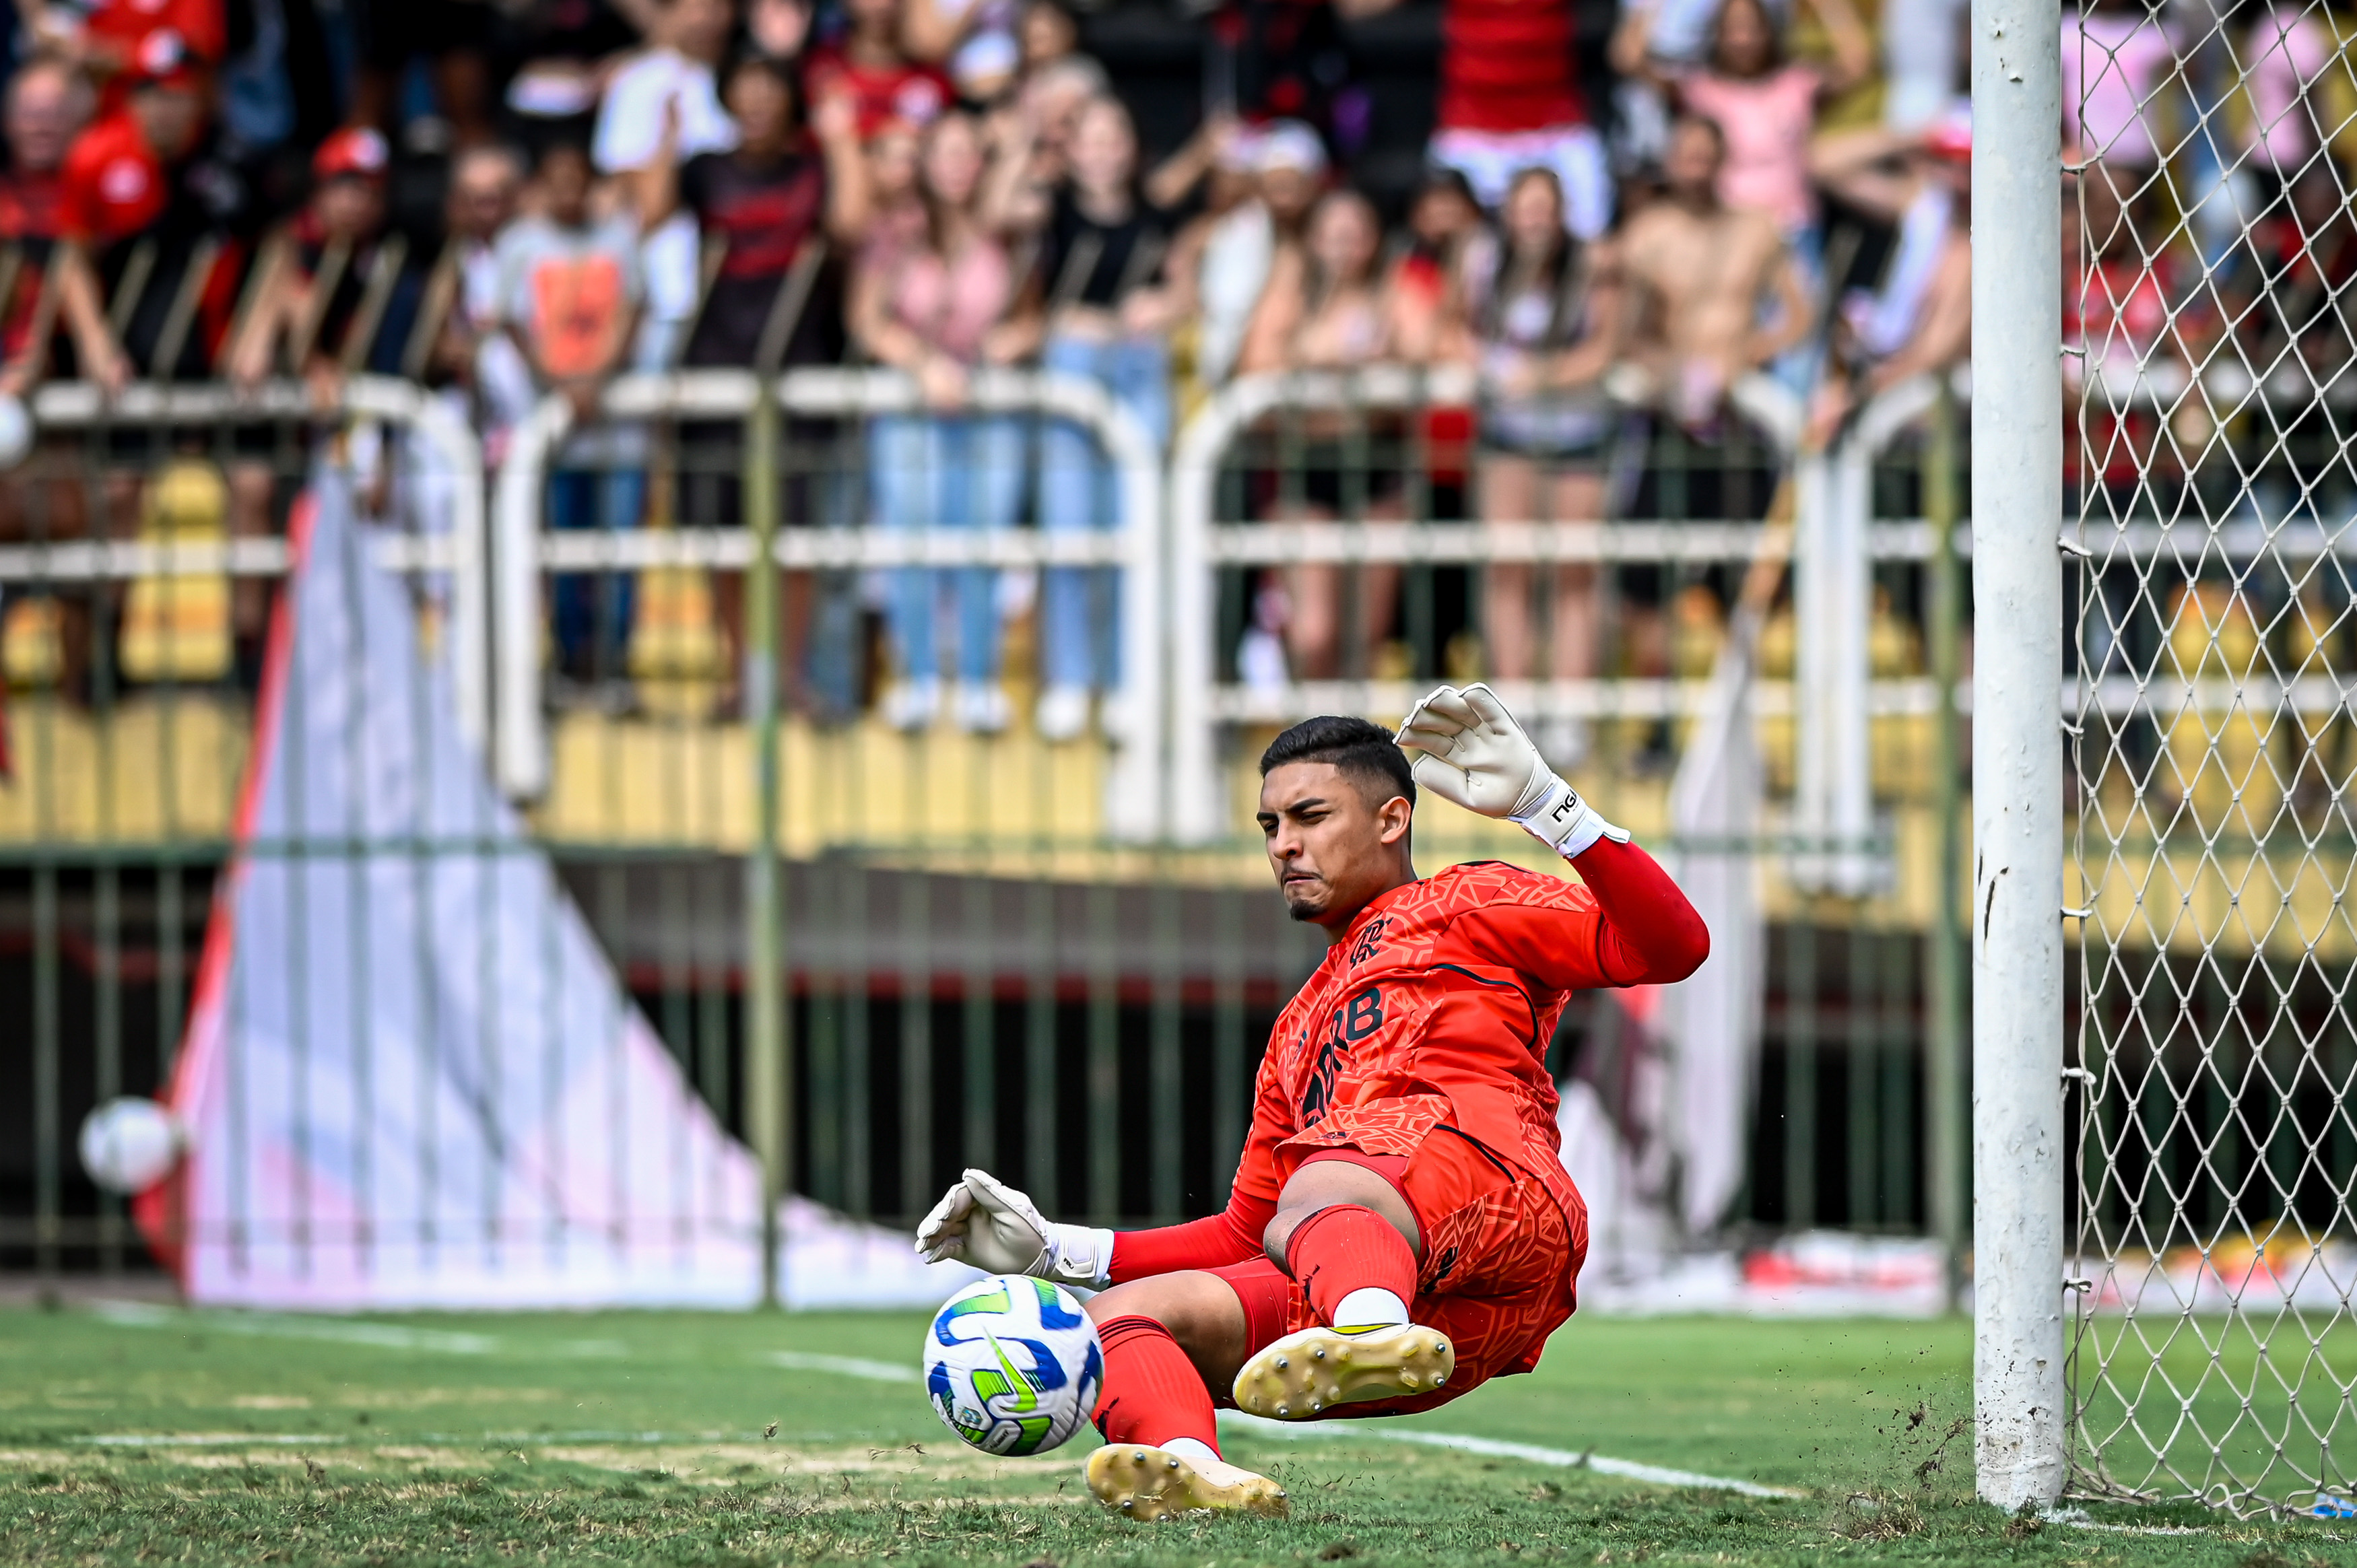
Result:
pixel 441 436
pixel 1135 803
pixel 1833 593
pixel 1201 547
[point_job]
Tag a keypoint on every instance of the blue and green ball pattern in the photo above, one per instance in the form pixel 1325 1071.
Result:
pixel 1013 1365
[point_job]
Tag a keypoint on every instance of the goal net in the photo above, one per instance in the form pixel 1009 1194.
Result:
pixel 2207 256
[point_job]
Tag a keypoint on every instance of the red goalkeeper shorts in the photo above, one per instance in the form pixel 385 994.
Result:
pixel 1497 1274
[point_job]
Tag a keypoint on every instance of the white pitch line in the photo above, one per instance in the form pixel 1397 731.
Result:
pixel 279 1325
pixel 353 1440
pixel 210 1439
pixel 345 1331
pixel 1603 1464
pixel 842 1366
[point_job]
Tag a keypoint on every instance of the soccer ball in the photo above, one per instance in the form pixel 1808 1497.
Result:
pixel 129 1144
pixel 1013 1365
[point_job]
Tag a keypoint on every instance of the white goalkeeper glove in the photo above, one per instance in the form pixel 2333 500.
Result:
pixel 983 1221
pixel 1469 750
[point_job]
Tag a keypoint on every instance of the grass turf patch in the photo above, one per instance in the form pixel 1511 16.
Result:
pixel 679 1438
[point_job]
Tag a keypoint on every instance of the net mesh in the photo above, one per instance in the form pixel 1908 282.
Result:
pixel 2207 256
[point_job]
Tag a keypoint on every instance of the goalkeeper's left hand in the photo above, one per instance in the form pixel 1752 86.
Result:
pixel 983 1221
pixel 1468 749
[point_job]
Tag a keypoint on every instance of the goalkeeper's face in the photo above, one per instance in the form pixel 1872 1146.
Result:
pixel 1332 847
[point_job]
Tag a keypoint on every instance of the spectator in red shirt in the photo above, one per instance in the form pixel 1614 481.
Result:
pixel 1510 99
pixel 118 180
pixel 47 104
pixel 118 174
pixel 871 65
pixel 106 38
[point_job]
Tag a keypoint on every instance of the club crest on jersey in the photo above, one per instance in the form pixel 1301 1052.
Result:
pixel 1354 1021
pixel 1369 940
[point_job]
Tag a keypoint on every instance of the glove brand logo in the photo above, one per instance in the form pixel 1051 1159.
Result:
pixel 1354 1021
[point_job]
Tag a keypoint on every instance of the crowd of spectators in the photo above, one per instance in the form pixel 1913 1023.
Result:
pixel 507 199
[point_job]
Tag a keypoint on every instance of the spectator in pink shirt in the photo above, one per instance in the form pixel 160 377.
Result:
pixel 2287 48
pixel 1764 105
pixel 946 304
pixel 2116 55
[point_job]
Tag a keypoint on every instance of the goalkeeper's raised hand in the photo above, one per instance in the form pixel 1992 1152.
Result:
pixel 983 1221
pixel 1468 749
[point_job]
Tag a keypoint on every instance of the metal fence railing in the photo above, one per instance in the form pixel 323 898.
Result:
pixel 880 951
pixel 145 540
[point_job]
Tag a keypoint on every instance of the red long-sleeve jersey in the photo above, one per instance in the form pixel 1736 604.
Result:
pixel 1436 1008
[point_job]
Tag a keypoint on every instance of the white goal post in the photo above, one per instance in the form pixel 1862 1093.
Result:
pixel 2019 1391
pixel 2164 754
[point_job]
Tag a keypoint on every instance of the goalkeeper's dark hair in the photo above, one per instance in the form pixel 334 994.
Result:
pixel 1365 752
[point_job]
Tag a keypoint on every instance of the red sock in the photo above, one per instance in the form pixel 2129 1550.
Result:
pixel 1152 1392
pixel 1349 1247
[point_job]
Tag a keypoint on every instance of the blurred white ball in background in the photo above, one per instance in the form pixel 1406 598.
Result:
pixel 130 1144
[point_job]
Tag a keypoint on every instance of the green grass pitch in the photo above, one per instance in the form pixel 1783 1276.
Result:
pixel 151 1436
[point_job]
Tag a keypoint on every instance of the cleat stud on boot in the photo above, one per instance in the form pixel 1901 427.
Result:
pixel 1282 1363
pixel 1319 1354
pixel 1284 1410
pixel 1174 1464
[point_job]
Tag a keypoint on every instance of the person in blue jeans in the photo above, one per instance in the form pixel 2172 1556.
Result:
pixel 938 304
pixel 1101 245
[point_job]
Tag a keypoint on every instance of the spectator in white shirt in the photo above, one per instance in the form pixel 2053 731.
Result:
pixel 673 80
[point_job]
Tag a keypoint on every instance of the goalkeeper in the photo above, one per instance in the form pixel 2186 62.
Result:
pixel 1401 1228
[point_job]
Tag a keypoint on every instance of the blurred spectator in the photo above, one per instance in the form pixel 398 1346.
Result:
pixel 313 281
pixel 2299 308
pixel 570 292
pixel 480 203
pixel 1030 139
pixel 667 93
pixel 1926 60
pixel 2117 56
pixel 1703 277
pixel 1542 318
pixel 939 307
pixel 2284 58
pixel 1228 255
pixel 1327 309
pixel 453 35
pixel 765 200
pixel 1283 61
pixel 1444 236
pixel 1102 244
pixel 988 47
pixel 106 38
pixel 315 301
pixel 47 106
pixel 896 211
pixel 1764 105
pixel 873 65
pixel 1921 318
pixel 1048 33
pixel 560 51
pixel 130 176
pixel 1510 99
pixel 772 203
